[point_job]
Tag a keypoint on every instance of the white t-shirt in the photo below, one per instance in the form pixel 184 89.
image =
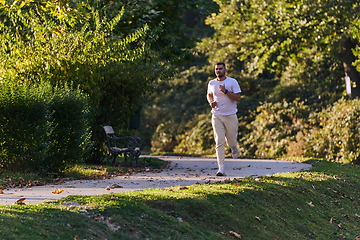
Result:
pixel 224 105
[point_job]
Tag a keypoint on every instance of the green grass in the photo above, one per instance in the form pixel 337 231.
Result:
pixel 322 203
pixel 80 171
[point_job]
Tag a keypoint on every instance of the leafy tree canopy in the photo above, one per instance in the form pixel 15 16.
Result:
pixel 175 39
pixel 269 35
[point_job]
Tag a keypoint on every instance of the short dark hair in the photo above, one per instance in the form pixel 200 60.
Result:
pixel 221 63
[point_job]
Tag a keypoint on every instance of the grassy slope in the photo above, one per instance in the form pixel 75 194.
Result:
pixel 323 203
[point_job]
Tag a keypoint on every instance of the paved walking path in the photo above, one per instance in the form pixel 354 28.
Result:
pixel 182 171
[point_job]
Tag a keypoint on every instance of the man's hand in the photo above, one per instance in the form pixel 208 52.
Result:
pixel 213 104
pixel 222 88
pixel 210 98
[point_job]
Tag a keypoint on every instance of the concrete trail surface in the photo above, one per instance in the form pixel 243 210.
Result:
pixel 182 171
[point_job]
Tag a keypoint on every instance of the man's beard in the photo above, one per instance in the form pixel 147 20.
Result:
pixel 219 75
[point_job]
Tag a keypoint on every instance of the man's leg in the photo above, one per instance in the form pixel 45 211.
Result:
pixel 219 136
pixel 231 125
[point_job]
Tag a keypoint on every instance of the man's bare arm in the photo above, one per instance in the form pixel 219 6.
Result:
pixel 210 98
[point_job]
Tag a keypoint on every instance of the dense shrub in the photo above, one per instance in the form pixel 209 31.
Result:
pixel 42 129
pixel 199 138
pixel 292 129
pixel 24 125
pixel 274 127
pixel 337 137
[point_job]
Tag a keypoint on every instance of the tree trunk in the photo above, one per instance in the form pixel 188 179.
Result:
pixel 350 71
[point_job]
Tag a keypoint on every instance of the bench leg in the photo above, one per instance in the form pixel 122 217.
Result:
pixel 108 160
pixel 113 162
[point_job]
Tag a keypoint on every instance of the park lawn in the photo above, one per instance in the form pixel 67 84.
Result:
pixel 322 203
pixel 80 172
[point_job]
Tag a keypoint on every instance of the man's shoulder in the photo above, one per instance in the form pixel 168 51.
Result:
pixel 230 79
pixel 212 81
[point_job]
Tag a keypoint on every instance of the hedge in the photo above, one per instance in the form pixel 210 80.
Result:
pixel 42 129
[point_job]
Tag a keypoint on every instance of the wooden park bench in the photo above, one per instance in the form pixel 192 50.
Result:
pixel 126 146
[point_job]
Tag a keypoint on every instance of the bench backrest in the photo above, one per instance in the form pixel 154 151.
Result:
pixel 109 130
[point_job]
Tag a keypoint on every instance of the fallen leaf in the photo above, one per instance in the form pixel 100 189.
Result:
pixel 76 238
pixel 332 220
pixel 301 176
pixel 108 188
pixel 58 191
pixel 227 180
pixel 183 188
pixel 114 198
pixel 20 201
pixel 357 215
pixel 357 238
pixel 299 209
pixel 311 204
pixel 235 234
pixel 339 225
pixel 257 218
pixel 116 186
pixel 1 191
pixel 71 207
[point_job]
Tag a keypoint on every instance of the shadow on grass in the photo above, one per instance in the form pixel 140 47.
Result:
pixel 321 203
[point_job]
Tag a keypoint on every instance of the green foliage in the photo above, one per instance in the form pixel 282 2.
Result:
pixel 293 129
pixel 42 129
pixel 274 127
pixel 175 38
pixel 336 136
pixel 267 36
pixel 70 135
pixel 198 137
pixel 25 123
pixel 174 104
pixel 111 69
pixel 276 57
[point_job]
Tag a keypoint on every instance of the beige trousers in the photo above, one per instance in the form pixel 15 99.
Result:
pixel 225 129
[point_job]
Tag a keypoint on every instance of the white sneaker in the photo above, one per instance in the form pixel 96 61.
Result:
pixel 220 172
pixel 235 152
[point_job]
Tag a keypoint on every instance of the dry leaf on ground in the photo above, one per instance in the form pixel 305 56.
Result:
pixel 235 234
pixel 71 207
pixel 20 201
pixel 58 191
